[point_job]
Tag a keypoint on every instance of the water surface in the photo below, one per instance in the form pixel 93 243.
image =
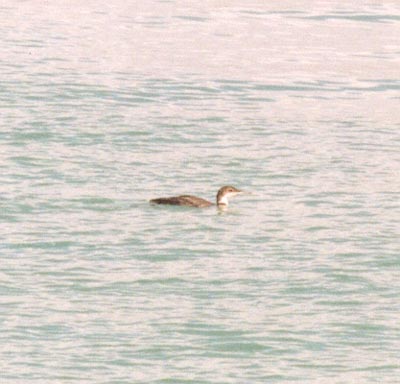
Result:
pixel 104 106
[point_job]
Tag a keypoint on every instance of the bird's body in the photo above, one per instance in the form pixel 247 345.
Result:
pixel 198 202
pixel 186 200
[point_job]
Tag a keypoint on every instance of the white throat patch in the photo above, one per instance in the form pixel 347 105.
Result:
pixel 224 199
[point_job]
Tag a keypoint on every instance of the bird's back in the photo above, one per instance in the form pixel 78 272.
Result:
pixel 183 200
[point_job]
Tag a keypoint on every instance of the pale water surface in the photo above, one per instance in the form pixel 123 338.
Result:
pixel 105 104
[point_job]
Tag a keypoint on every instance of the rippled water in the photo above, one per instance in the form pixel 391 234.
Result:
pixel 106 105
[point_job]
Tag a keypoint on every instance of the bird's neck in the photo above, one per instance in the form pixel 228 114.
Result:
pixel 223 201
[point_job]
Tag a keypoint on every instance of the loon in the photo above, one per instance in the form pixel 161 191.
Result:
pixel 193 201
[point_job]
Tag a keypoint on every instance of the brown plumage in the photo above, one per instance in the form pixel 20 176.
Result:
pixel 198 202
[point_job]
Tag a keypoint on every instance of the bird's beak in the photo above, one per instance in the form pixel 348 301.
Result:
pixel 238 192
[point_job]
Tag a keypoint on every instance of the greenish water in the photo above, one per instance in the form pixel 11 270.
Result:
pixel 104 106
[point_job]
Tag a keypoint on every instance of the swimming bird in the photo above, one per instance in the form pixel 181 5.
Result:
pixel 193 201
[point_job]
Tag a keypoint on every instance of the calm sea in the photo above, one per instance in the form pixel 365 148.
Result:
pixel 104 105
